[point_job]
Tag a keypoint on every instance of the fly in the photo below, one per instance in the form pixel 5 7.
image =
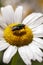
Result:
pixel 18 27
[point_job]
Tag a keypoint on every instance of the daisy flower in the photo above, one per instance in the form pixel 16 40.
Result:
pixel 21 35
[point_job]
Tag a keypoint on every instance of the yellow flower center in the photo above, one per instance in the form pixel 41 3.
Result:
pixel 18 34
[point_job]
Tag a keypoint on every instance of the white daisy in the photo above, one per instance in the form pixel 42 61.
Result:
pixel 24 36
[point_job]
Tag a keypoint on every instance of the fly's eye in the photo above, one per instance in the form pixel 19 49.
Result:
pixel 18 27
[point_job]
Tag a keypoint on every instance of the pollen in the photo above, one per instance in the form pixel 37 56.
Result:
pixel 21 37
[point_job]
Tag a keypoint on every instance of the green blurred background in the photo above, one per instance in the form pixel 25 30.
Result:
pixel 29 7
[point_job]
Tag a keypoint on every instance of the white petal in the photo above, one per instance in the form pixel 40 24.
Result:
pixel 23 53
pixel 38 31
pixel 39 41
pixel 8 14
pixel 29 53
pixel 36 51
pixel 1 32
pixel 9 53
pixel 31 18
pixel 39 27
pixel 3 45
pixel 37 16
pixel 18 14
pixel 37 22
pixel 38 58
pixel 39 45
pixel 32 54
pixel 2 22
